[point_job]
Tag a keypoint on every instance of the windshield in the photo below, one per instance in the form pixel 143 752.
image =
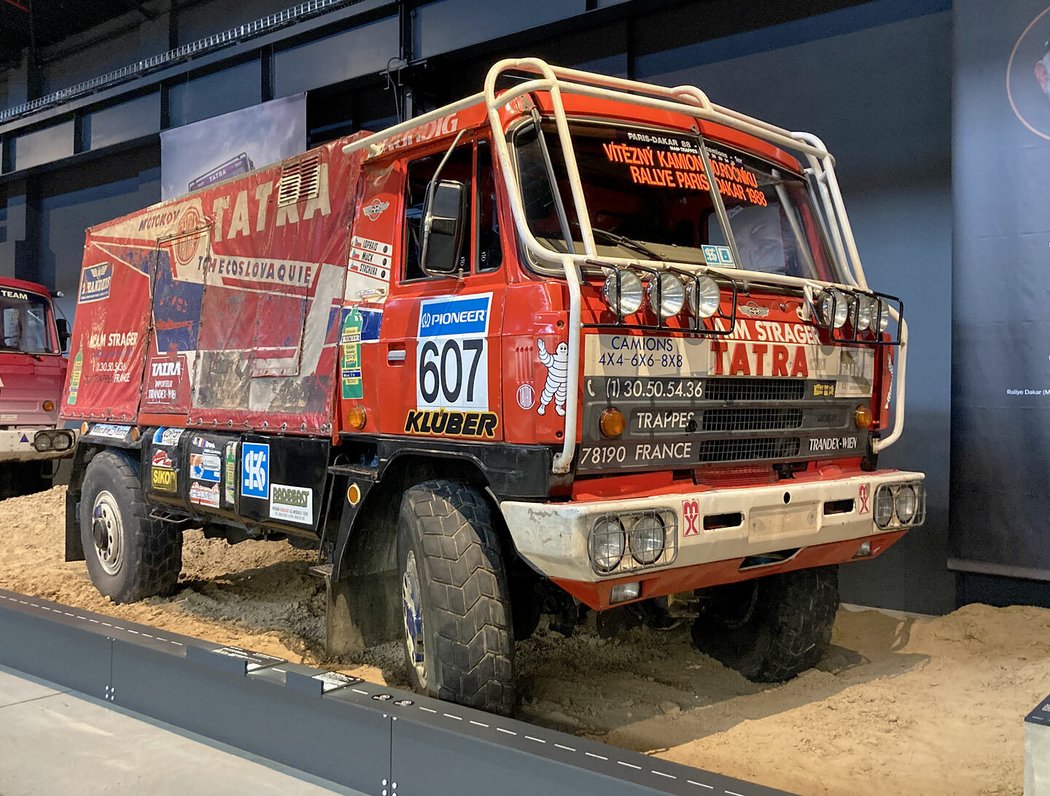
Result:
pixel 648 197
pixel 26 322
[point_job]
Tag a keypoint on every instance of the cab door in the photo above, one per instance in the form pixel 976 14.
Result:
pixel 441 332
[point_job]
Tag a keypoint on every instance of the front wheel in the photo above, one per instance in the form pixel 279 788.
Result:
pixel 770 629
pixel 458 628
pixel 129 556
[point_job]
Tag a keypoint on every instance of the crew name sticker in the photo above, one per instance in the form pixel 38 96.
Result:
pixel 452 358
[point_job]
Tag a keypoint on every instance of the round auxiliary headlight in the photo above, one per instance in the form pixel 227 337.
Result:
pixel 883 507
pixel 647 539
pixel 671 297
pixel 884 316
pixel 861 314
pixel 704 296
pixel 43 442
pixel 623 292
pixel 607 544
pixel 63 441
pixel 907 504
pixel 834 308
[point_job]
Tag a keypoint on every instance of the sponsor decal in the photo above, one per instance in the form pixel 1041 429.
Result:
pixel 230 479
pixel 163 479
pixel 255 470
pixel 109 431
pixel 664 421
pixel 824 389
pixel 374 209
pixel 292 503
pixel 637 454
pixel 17 295
pixel 718 255
pixel 825 444
pixel 370 257
pixel 691 516
pixel 633 356
pixel 168 437
pixel 204 495
pixel 74 376
pixel 557 364
pixel 863 496
pixel 166 378
pixel 94 282
pixel 451 423
pixel 350 356
pixel 202 444
pixel 161 459
pixel 206 467
pixel 754 310
pixel 453 367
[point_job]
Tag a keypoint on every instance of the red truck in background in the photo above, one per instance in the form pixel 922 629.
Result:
pixel 32 375
pixel 573 342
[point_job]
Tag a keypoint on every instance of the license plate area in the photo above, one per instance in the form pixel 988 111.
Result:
pixel 777 521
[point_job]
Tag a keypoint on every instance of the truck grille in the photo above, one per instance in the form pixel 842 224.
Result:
pixel 754 389
pixel 739 450
pixel 751 419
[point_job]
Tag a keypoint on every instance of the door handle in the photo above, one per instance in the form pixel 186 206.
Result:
pixel 396 354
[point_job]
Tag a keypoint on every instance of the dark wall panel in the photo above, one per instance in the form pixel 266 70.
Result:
pixel 124 122
pixel 96 191
pixel 104 56
pixel 341 56
pixel 893 150
pixel 214 94
pixel 202 19
pixel 43 146
pixel 452 24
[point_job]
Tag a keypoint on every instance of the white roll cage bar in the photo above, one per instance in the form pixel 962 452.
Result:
pixel 685 100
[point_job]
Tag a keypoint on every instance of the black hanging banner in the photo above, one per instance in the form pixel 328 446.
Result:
pixel 1000 493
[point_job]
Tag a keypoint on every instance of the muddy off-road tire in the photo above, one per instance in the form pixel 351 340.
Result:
pixel 129 556
pixel 772 628
pixel 458 632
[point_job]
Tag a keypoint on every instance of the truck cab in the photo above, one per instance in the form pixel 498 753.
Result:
pixel 573 343
pixel 32 374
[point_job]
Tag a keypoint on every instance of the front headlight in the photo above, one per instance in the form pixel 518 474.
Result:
pixel 623 292
pixel 671 296
pixel 883 507
pixel 907 504
pixel 704 296
pixel 607 544
pixel 647 539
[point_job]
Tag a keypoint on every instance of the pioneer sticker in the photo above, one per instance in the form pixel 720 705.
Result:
pixel 452 355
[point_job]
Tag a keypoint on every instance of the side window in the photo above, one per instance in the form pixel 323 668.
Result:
pixel 489 251
pixel 460 167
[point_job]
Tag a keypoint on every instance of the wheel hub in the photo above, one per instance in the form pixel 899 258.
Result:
pixel 107 531
pixel 413 617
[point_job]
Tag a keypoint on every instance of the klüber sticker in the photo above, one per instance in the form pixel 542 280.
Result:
pixel 168 437
pixel 230 474
pixel 451 423
pixel 163 479
pixel 452 355
pixel 557 364
pixel 109 431
pixel 204 494
pixel 255 470
pixel 691 517
pixel 350 356
pixel 292 504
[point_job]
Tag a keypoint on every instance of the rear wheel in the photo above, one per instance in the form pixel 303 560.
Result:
pixel 772 628
pixel 457 621
pixel 129 556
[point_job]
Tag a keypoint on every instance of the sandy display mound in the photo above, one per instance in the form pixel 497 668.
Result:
pixel 899 705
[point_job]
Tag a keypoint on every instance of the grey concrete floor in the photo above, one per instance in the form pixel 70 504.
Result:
pixel 54 741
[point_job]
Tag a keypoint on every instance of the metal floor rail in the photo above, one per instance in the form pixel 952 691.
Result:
pixel 364 736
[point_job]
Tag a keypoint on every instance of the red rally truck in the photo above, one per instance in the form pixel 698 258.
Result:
pixel 32 373
pixel 573 341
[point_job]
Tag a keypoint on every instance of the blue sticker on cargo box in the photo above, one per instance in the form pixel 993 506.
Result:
pixel 94 282
pixel 255 470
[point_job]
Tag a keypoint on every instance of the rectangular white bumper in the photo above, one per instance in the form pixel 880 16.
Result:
pixel 554 537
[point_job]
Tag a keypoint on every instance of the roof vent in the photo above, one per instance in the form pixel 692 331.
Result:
pixel 300 180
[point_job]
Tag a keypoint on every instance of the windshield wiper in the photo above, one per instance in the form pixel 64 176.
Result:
pixel 627 243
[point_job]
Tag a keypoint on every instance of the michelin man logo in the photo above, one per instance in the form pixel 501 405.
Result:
pixel 557 365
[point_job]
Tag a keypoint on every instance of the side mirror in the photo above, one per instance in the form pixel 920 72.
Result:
pixel 63 333
pixel 444 214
